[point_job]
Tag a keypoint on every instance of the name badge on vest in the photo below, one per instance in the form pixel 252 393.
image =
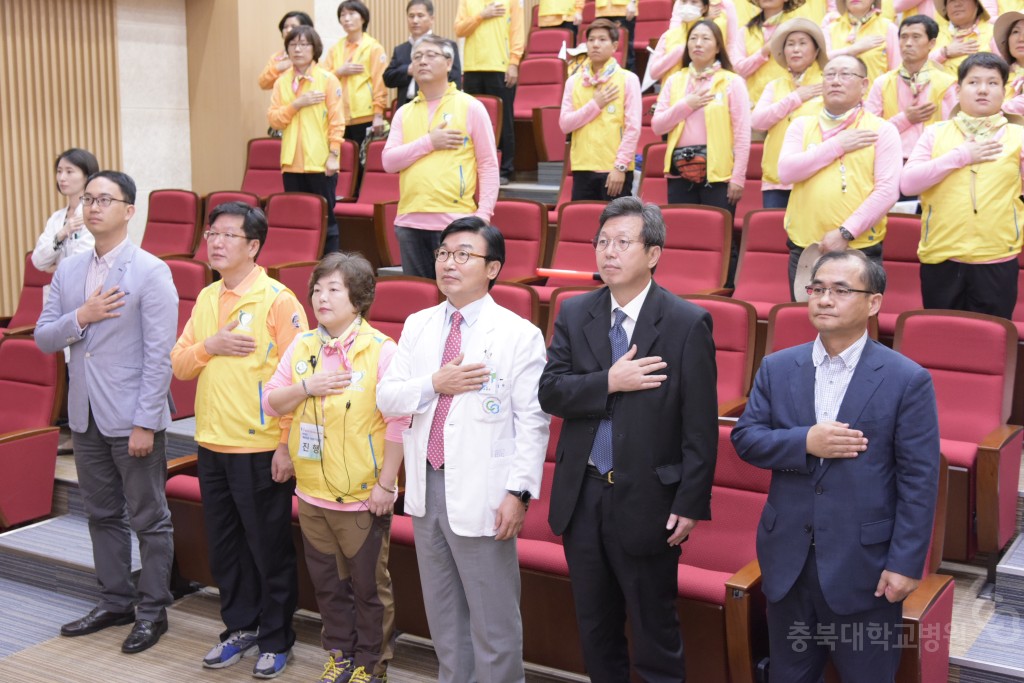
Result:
pixel 311 441
pixel 244 320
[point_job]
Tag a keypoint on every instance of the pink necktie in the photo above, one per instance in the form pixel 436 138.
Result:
pixel 435 444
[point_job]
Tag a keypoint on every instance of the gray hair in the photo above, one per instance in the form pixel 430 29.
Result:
pixel 443 43
pixel 872 273
pixel 653 231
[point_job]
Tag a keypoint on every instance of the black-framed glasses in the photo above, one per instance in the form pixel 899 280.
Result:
pixel 818 291
pixel 461 256
pixel 102 200
pixel 617 244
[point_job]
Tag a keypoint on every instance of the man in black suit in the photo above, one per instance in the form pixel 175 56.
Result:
pixel 631 370
pixel 419 16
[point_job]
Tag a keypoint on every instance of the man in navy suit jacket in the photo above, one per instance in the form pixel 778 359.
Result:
pixel 850 431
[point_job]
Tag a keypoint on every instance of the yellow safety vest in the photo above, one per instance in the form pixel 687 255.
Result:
pixel 986 228
pixel 313 120
pixel 782 88
pixel 769 71
pixel 443 181
pixel 717 121
pixel 489 46
pixel 612 8
pixel 595 145
pixel 357 89
pixel 557 8
pixel 983 35
pixel 352 448
pixel 674 38
pixel 876 59
pixel 939 83
pixel 819 205
pixel 230 389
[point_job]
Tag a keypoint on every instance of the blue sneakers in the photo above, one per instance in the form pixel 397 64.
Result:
pixel 238 645
pixel 271 664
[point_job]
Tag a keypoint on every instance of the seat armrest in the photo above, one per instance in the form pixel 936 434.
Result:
pixel 999 454
pixel 920 601
pixel 739 622
pixel 20 330
pixel 716 291
pixel 25 433
pixel 185 464
pixel 174 255
pixel 732 408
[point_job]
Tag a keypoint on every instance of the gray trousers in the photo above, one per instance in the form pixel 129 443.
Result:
pixel 471 595
pixel 120 490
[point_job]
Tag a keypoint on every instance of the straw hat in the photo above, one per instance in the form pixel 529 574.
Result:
pixel 798 25
pixel 1001 33
pixel 940 7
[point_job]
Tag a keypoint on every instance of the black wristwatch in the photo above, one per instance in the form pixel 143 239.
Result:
pixel 846 234
pixel 524 497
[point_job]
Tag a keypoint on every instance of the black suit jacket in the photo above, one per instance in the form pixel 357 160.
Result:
pixel 397 74
pixel 665 440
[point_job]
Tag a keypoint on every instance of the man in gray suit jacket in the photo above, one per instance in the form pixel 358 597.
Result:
pixel 117 309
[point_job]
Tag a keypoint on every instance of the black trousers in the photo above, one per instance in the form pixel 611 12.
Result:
pixel 252 557
pixel 590 185
pixel 493 83
pixel 608 584
pixel 629 25
pixel 327 187
pixel 989 288
pixel 682 191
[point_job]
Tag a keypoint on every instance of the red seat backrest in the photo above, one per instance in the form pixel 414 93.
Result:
pixel 555 305
pixel 493 105
pixel 548 134
pixel 397 298
pixel 651 23
pixel 348 169
pixel 754 161
pixel 788 325
pixel 31 385
pixel 647 135
pixel 697 247
pixel 752 198
pixel 734 332
pixel 263 167
pixel 902 269
pixel 213 200
pixel 30 301
pixel 574 239
pixel 190 277
pixel 1018 311
pixel 547 42
pixel 653 184
pixel 524 223
pixel 520 299
pixel 378 185
pixel 296 278
pixel 541 82
pixel 297 228
pixel 384 227
pixel 763 266
pixel 172 224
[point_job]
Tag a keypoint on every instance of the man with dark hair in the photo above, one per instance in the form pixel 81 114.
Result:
pixel 850 432
pixel 968 172
pixel 419 17
pixel 468 370
pixel 631 370
pixel 239 327
pixel 120 327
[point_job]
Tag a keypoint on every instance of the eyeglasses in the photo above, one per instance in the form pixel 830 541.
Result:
pixel 817 291
pixel 102 200
pixel 461 255
pixel 295 44
pixel 429 54
pixel 841 76
pixel 210 235
pixel 617 244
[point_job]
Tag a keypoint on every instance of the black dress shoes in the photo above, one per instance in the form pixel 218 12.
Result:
pixel 96 620
pixel 144 635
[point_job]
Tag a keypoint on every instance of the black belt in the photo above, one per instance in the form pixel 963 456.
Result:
pixel 596 474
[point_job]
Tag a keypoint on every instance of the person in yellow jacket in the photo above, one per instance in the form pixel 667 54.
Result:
pixel 968 31
pixel 232 343
pixel 494 46
pixel 279 62
pixel 968 172
pixel 799 46
pixel 345 456
pixel 623 13
pixel 560 14
pixel 757 67
pixel 359 61
pixel 862 31
pixel 306 105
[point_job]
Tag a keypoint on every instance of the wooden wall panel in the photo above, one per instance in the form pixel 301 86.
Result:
pixel 59 74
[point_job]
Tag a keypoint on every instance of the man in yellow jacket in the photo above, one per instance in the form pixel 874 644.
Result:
pixel 239 327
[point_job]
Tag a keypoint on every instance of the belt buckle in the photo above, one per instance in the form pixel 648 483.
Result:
pixel 609 478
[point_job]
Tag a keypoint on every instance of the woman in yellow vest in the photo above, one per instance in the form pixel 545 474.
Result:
pixel 757 67
pixel 705 111
pixel 968 31
pixel 358 61
pixel 279 62
pixel 861 31
pixel 668 54
pixel 306 106
pixel 346 457
pixel 799 46
pixel 1008 34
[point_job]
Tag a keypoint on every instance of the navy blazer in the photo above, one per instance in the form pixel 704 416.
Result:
pixel 865 514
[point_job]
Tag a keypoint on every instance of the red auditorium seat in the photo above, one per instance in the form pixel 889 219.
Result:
pixel 355 217
pixel 698 240
pixel 263 167
pixel 557 297
pixel 902 270
pixel 30 301
pixel 297 228
pixel 172 225
pixel 790 325
pixel 653 184
pixel 348 170
pixel 295 276
pixel 190 277
pixel 493 105
pixel 972 360
pixel 574 244
pixel 762 272
pixel 735 325
pixel 397 298
pixel 751 199
pixel 518 298
pixel 548 134
pixel 647 136
pixel 524 224
pixel 388 250
pixel 541 82
pixel 213 200
pixel 547 42
pixel 651 23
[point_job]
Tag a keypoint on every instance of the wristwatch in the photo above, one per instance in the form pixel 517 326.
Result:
pixel 621 168
pixel 523 496
pixel 846 234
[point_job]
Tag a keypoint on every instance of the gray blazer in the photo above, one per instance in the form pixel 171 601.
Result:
pixel 120 367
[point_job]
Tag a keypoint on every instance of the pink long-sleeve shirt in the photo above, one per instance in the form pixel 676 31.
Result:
pixel 751 63
pixel 571 119
pixel 667 116
pixel 892 46
pixel 922 172
pixel 925 7
pixel 909 132
pixel 734 33
pixel 797 164
pixel 398 156
pixel 767 113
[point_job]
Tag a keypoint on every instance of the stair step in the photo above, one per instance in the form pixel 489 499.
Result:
pixel 547 194
pixel 996 655
pixel 1009 593
pixel 181 438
